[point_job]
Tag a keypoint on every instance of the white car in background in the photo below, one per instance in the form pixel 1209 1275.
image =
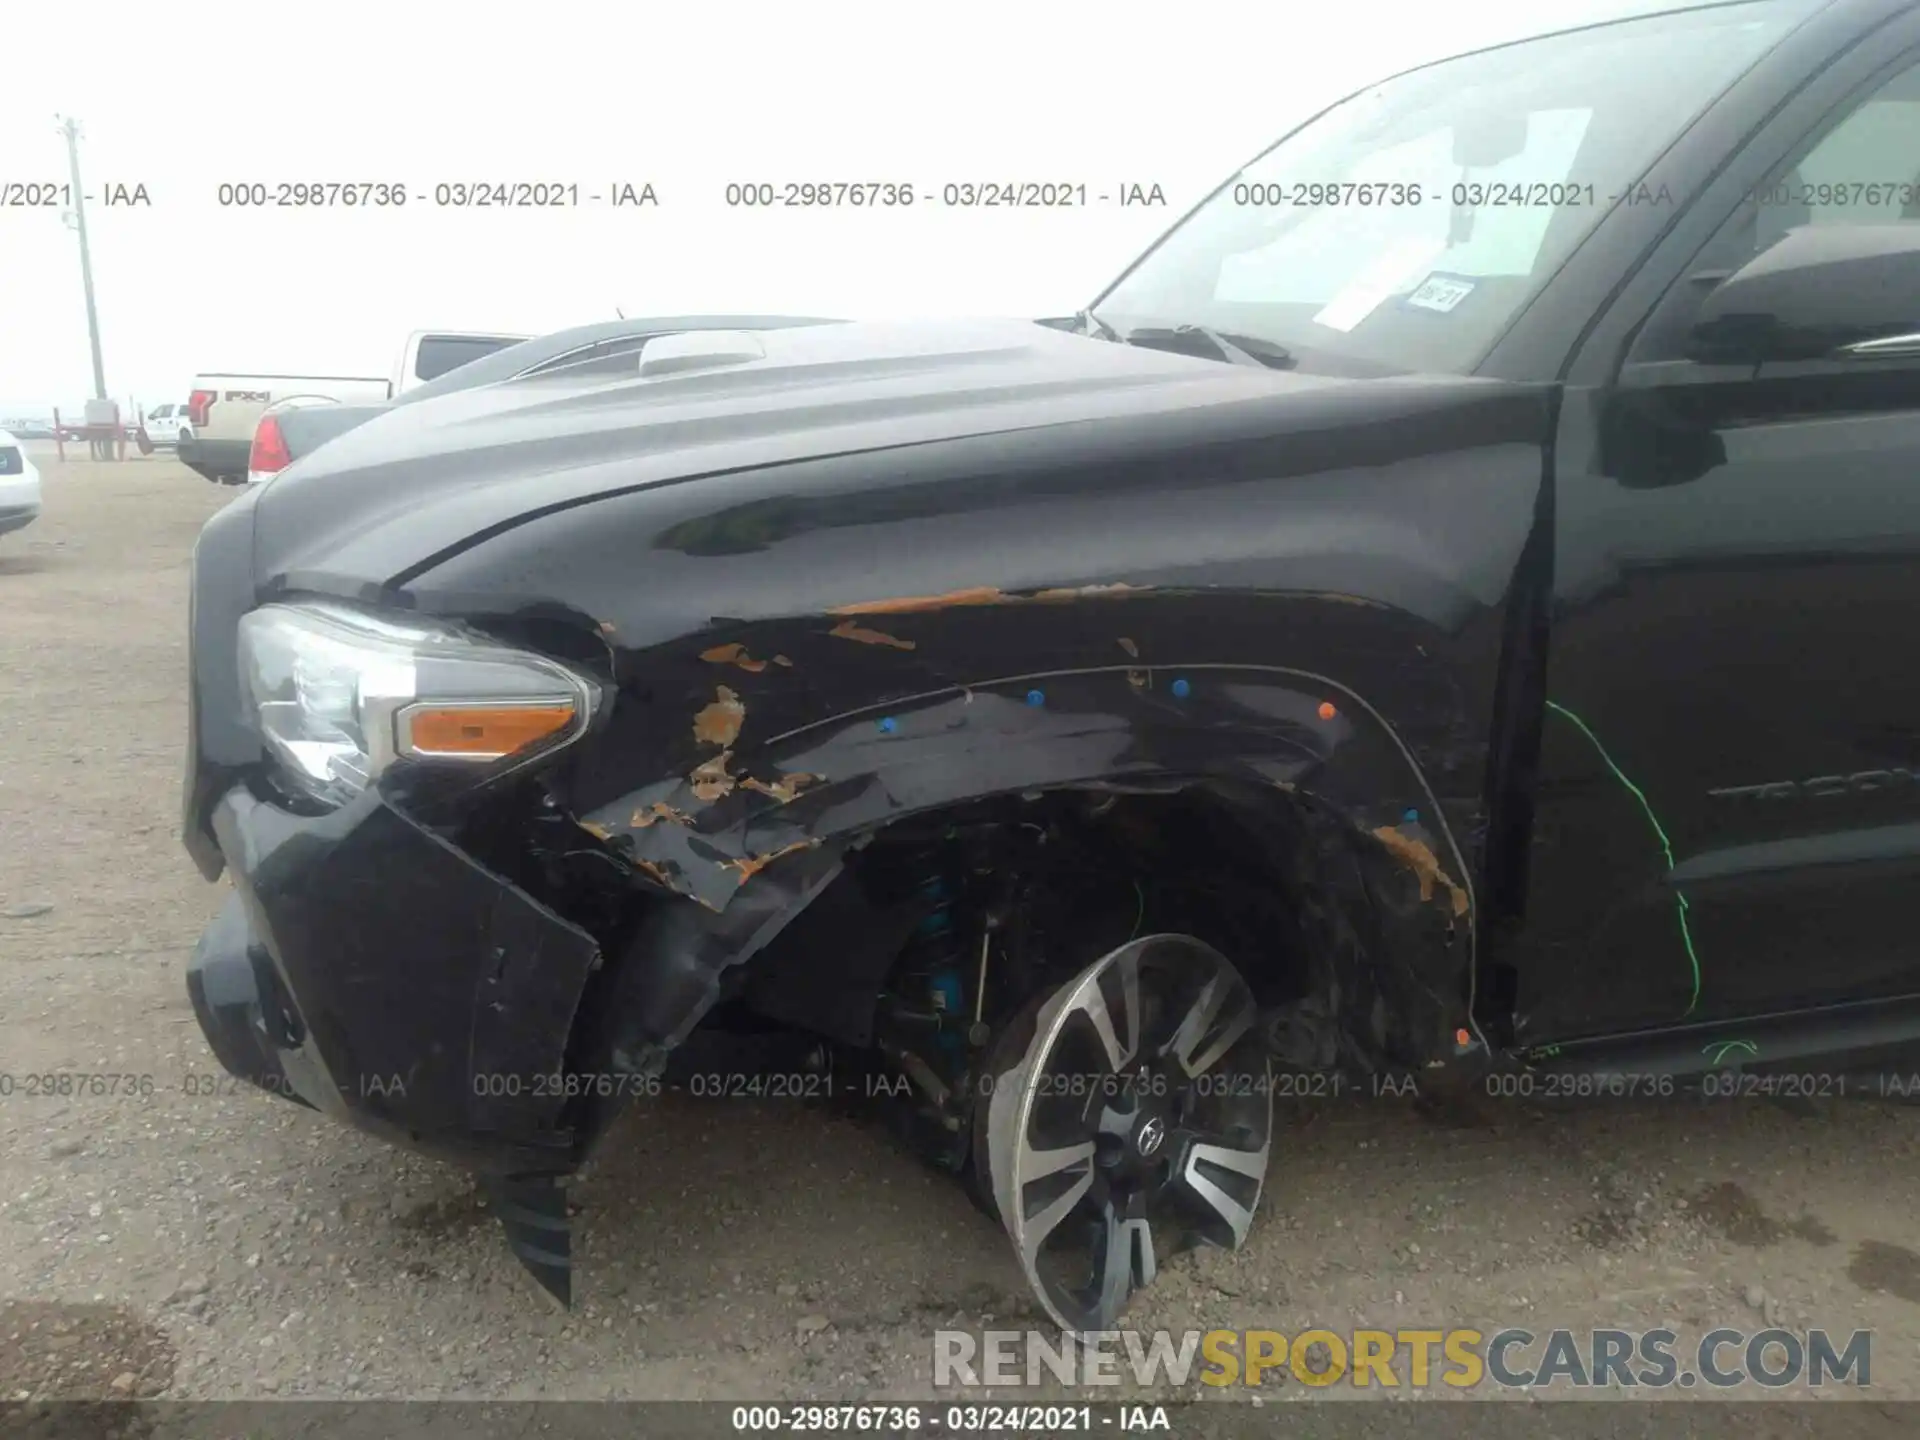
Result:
pixel 19 486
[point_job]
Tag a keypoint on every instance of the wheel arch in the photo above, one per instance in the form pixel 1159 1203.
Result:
pixel 1345 806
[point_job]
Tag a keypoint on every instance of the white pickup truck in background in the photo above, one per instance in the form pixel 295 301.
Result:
pixel 164 425
pixel 224 407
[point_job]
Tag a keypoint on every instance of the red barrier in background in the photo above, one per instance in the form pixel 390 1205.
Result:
pixel 114 436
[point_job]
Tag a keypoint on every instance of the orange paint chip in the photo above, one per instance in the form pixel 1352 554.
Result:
pixel 1327 712
pixel 1462 1039
pixel 710 780
pixel 909 604
pixel 655 872
pixel 719 723
pixel 1084 592
pixel 783 790
pixel 655 813
pixel 734 654
pixel 981 595
pixel 749 866
pixel 847 630
pixel 1425 865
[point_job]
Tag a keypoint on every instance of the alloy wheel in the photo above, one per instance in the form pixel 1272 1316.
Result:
pixel 1136 1123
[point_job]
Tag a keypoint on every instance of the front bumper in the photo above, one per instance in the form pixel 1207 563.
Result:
pixel 370 969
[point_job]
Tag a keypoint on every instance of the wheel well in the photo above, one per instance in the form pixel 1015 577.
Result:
pixel 1272 878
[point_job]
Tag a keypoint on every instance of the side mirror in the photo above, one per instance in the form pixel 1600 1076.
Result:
pixel 1822 291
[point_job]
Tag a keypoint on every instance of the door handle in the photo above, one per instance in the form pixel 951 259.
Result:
pixel 1886 347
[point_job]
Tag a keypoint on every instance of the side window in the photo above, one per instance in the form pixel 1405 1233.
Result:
pixel 1861 166
pixel 1863 170
pixel 440 353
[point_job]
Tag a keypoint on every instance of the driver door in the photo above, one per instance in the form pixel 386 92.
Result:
pixel 1728 808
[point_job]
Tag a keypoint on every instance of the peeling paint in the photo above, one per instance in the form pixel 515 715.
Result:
pixel 658 874
pixel 734 654
pixel 783 661
pixel 710 780
pixel 980 595
pixel 1128 646
pixel 1085 592
pixel 785 788
pixel 1419 858
pixel 719 723
pixel 751 865
pixel 653 814
pixel 903 604
pixel 600 832
pixel 847 630
pixel 1338 599
pixel 653 871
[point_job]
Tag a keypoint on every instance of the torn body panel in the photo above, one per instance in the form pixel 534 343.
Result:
pixel 1249 729
pixel 385 977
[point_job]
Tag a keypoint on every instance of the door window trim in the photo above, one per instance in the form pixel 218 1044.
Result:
pixel 1624 306
pixel 1706 262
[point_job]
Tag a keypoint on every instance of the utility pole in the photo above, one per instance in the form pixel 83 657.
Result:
pixel 77 220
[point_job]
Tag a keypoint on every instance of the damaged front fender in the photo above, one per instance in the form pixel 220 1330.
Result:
pixel 748 843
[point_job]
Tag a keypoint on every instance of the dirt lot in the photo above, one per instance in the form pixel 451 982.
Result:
pixel 183 1239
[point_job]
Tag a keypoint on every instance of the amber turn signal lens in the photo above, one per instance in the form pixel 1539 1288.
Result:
pixel 481 732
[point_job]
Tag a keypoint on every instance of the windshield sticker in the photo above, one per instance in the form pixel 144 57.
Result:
pixel 1366 292
pixel 1440 291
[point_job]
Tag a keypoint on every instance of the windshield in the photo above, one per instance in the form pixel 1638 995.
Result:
pixel 1406 227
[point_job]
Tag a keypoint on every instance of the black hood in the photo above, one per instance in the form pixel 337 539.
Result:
pixel 421 482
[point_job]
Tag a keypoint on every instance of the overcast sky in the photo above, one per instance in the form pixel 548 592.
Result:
pixel 183 98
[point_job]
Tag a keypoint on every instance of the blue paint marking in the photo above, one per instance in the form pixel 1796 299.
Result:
pixel 889 725
pixel 1181 689
pixel 1411 817
pixel 1034 697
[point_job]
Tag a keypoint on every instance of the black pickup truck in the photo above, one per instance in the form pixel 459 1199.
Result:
pixel 1437 618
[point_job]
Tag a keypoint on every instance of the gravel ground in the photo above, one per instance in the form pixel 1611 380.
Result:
pixel 185 1239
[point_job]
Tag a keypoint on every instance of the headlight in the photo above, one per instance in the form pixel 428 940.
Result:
pixel 339 695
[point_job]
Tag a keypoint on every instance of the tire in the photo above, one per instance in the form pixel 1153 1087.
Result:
pixel 1096 1186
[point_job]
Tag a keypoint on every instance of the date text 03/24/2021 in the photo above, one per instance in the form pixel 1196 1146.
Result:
pixel 568 194
pixel 1014 1419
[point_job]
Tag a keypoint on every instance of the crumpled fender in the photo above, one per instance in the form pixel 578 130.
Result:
pixel 747 839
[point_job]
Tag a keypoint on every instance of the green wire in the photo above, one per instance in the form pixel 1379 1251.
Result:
pixel 1666 846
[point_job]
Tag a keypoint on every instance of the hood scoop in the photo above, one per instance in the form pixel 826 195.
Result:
pixel 699 350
